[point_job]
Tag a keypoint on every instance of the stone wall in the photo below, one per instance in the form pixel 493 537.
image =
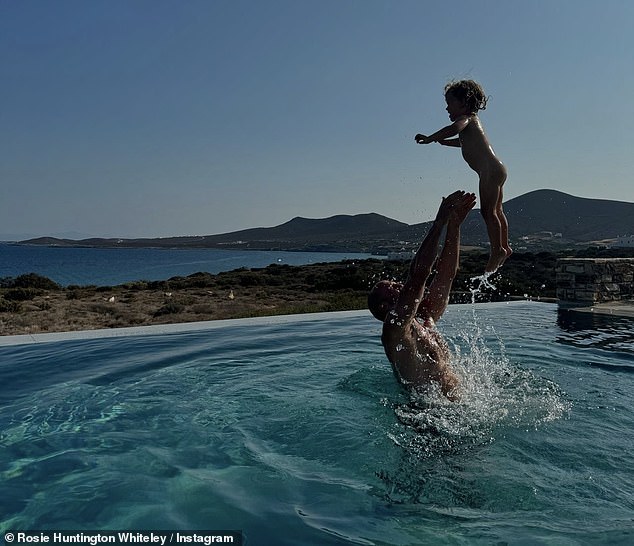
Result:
pixel 594 280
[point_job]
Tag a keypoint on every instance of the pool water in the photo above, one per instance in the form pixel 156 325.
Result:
pixel 294 431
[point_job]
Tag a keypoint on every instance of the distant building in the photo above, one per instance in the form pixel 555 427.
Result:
pixel 400 255
pixel 624 241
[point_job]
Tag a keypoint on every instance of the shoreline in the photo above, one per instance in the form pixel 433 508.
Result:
pixel 34 304
pixel 114 266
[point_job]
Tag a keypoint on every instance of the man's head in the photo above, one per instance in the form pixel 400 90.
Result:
pixel 382 298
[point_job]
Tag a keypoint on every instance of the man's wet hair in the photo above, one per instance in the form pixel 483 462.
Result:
pixel 374 304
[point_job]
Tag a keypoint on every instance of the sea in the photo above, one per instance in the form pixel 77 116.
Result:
pixel 113 266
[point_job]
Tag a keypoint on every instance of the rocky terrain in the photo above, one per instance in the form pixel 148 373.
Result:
pixel 34 304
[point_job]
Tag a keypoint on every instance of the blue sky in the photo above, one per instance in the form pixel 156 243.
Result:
pixel 143 118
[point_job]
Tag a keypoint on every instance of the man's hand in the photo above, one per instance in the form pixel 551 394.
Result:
pixel 448 204
pixel 462 208
pixel 422 139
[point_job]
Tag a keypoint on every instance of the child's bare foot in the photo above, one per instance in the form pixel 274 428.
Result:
pixel 496 259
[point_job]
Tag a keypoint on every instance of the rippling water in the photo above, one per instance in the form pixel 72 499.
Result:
pixel 296 432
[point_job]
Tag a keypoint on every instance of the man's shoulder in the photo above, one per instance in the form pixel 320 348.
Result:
pixel 394 327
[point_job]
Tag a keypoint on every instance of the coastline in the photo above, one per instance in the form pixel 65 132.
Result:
pixel 37 305
pixel 114 266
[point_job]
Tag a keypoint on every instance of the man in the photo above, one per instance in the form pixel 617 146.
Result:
pixel 418 353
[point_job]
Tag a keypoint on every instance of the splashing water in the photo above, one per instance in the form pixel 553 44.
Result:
pixel 483 282
pixel 494 392
pixel 496 395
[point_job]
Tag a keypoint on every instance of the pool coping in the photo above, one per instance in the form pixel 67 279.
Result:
pixel 619 308
pixel 160 329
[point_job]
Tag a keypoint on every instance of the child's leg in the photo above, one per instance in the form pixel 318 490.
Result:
pixel 490 196
pixel 504 225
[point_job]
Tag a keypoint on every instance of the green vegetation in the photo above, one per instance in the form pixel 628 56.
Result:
pixel 170 308
pixel 7 306
pixel 21 294
pixel 29 281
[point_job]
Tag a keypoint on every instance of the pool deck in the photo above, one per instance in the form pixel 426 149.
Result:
pixel 616 308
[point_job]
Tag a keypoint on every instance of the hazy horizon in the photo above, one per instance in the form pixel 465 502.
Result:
pixel 79 236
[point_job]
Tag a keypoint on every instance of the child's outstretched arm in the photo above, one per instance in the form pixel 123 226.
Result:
pixel 450 142
pixel 444 135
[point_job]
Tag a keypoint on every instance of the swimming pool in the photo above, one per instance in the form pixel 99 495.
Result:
pixel 294 431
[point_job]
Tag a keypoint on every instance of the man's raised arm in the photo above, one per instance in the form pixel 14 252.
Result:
pixel 420 268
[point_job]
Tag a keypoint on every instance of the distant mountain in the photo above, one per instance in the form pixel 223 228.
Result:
pixel 568 220
pixel 360 233
pixel 577 219
pixel 341 227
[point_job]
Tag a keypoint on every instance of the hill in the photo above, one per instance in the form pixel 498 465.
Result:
pixel 578 219
pixel 541 218
pixel 340 227
pixel 533 216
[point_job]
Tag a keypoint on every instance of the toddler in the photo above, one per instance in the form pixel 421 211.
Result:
pixel 464 98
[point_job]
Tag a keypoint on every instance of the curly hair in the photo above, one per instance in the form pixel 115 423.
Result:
pixel 470 92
